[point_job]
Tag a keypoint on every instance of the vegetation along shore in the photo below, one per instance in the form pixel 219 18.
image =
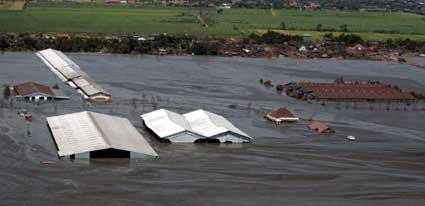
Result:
pixel 77 27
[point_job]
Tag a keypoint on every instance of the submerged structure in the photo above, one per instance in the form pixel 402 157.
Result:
pixel 320 127
pixel 356 91
pixel 72 74
pixel 199 126
pixel 94 135
pixel 281 115
pixel 33 91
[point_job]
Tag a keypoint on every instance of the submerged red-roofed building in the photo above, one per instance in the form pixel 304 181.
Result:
pixel 35 91
pixel 370 91
pixel 320 127
pixel 281 115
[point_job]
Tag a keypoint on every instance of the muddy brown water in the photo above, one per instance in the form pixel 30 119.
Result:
pixel 284 165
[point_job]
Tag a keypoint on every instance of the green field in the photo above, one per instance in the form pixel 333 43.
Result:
pixel 99 18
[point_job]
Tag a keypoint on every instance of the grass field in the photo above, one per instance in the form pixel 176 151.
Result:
pixel 12 6
pixel 99 18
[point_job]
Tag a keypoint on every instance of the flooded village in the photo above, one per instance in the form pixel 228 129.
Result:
pixel 359 152
pixel 233 103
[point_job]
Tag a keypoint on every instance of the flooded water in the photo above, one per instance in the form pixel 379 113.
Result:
pixel 285 165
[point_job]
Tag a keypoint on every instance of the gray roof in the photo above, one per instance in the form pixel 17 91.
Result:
pixel 89 131
pixel 67 70
pixel 88 86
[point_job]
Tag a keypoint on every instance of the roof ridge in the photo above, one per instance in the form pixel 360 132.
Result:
pixel 96 124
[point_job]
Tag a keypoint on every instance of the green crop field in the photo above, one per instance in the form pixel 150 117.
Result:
pixel 118 19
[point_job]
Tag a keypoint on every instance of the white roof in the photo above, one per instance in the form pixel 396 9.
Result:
pixel 67 70
pixel 88 86
pixel 165 123
pixel 60 62
pixel 89 131
pixel 209 124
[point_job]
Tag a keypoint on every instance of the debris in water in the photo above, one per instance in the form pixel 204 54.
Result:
pixel 352 138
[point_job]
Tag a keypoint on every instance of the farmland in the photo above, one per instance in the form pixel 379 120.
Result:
pixel 120 19
pixel 12 6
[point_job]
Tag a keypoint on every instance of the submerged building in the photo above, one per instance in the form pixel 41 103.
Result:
pixel 94 135
pixel 281 115
pixel 356 91
pixel 72 74
pixel 320 127
pixel 194 127
pixel 33 91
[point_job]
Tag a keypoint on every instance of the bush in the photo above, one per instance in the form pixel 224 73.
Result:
pixel 272 37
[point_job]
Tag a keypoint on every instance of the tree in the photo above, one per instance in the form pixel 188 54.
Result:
pixel 319 27
pixel 6 91
pixel 283 25
pixel 343 28
pixel 3 43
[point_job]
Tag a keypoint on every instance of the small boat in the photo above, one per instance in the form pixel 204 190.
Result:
pixel 351 138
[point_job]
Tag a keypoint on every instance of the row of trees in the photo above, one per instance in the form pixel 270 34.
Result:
pixel 178 44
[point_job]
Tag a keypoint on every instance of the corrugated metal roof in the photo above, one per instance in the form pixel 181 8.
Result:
pixel 209 124
pixel 60 62
pixel 89 86
pixel 67 70
pixel 165 123
pixel 206 124
pixel 88 131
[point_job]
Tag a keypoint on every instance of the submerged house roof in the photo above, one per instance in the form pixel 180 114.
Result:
pixel 166 123
pixel 89 131
pixel 281 114
pixel 319 127
pixel 29 88
pixel 200 124
pixel 209 124
pixel 68 71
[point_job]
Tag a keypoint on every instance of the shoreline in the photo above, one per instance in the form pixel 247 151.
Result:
pixel 417 65
pixel 269 45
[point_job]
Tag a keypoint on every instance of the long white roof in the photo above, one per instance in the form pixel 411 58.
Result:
pixel 166 123
pixel 57 60
pixel 209 124
pixel 67 70
pixel 88 86
pixel 89 131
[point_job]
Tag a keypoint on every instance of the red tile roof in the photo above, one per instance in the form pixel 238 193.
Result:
pixel 319 127
pixel 355 91
pixel 281 113
pixel 32 87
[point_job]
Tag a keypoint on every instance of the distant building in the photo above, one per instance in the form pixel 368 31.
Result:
pixel 375 9
pixel 194 127
pixel 311 5
pixel 175 2
pixel 307 38
pixel 94 135
pixel 36 92
pixel 293 4
pixel 281 115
